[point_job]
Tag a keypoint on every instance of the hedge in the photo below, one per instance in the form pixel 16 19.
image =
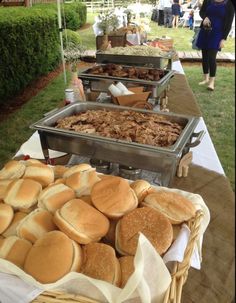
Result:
pixel 29 45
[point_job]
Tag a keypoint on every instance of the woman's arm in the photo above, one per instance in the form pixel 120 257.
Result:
pixel 228 18
pixel 202 11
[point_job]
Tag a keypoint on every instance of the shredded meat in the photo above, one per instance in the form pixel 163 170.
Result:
pixel 131 126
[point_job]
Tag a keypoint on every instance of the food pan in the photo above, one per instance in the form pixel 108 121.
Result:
pixel 163 160
pixel 134 60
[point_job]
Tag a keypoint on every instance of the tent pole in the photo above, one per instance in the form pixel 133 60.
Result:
pixel 61 40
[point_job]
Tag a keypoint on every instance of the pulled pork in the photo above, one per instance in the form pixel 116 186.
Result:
pixel 143 128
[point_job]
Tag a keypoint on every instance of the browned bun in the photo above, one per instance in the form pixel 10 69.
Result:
pixel 114 197
pixel 82 182
pixel 59 171
pixel 52 256
pixel 55 196
pixel 41 173
pixel 76 168
pixel 22 193
pixel 100 262
pixel 11 230
pixel 81 222
pixel 173 205
pixel 15 250
pixel 155 226
pixel 141 188
pixel 3 187
pixel 12 170
pixel 127 268
pixel 35 225
pixel 6 216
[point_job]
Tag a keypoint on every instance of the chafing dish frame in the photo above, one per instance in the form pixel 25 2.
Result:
pixel 100 83
pixel 159 159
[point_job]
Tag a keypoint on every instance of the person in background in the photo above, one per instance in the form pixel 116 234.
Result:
pixel 191 19
pixel 167 13
pixel 175 8
pixel 160 12
pixel 217 20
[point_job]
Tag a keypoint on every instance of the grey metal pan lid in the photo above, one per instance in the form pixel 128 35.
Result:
pixel 47 123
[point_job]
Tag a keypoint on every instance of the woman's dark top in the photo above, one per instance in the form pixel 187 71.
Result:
pixel 175 8
pixel 221 15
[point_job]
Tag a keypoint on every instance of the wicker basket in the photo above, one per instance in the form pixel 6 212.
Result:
pixel 174 292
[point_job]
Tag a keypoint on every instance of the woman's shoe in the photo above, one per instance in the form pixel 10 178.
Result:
pixel 211 84
pixel 210 88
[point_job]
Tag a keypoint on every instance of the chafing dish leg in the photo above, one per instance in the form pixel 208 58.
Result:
pixel 44 146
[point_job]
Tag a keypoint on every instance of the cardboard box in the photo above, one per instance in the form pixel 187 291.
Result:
pixel 130 100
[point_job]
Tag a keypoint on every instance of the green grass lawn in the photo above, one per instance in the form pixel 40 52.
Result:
pixel 217 107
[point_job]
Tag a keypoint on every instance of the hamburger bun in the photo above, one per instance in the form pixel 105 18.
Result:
pixel 15 250
pixel 12 170
pixel 41 173
pixel 173 205
pixel 35 225
pixel 76 168
pixel 53 256
pixel 6 216
pixel 82 182
pixel 141 189
pixel 3 187
pixel 59 171
pixel 114 197
pixel 110 237
pixel 32 161
pixel 55 196
pixel 127 268
pixel 155 226
pixel 11 230
pixel 22 193
pixel 81 222
pixel 100 262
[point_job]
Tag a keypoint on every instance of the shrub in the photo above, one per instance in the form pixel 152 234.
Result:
pixel 70 36
pixel 29 47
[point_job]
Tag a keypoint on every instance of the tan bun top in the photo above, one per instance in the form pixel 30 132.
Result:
pixel 81 222
pixel 155 226
pixel 22 193
pixel 41 173
pixel 100 262
pixel 82 182
pixel 55 196
pixel 141 188
pixel 114 197
pixel 3 187
pixel 6 216
pixel 14 250
pixel 35 225
pixel 11 230
pixel 76 168
pixel 127 268
pixel 12 170
pixel 51 257
pixel 173 205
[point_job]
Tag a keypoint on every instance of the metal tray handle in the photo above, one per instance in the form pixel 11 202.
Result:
pixel 199 137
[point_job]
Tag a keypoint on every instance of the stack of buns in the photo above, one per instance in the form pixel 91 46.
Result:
pixel 56 220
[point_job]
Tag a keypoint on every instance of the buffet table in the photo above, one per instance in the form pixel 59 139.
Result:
pixel 215 281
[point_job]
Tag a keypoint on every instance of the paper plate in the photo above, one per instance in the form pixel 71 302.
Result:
pixel 33 148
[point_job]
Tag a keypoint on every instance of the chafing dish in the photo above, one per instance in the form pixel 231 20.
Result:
pixel 100 82
pixel 163 160
pixel 134 60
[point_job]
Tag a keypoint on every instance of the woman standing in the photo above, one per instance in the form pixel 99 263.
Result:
pixel 217 18
pixel 175 13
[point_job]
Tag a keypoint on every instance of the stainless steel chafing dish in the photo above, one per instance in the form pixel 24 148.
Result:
pixel 100 83
pixel 158 159
pixel 136 60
